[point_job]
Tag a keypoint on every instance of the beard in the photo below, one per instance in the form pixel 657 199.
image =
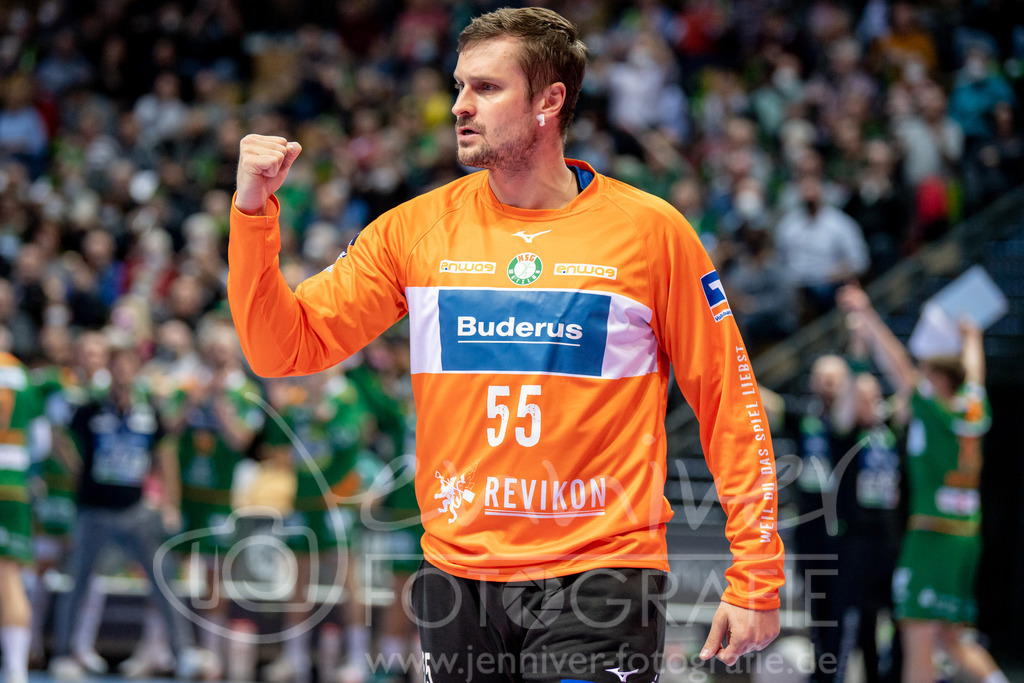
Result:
pixel 513 153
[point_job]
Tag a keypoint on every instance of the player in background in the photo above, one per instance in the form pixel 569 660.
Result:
pixel 116 441
pixel 19 406
pixel 933 584
pixel 870 514
pixel 316 431
pixel 382 381
pixel 73 372
pixel 546 303
pixel 172 365
pixel 53 480
pixel 815 536
pixel 78 374
pixel 213 423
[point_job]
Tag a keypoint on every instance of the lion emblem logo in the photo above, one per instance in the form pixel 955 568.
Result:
pixel 453 492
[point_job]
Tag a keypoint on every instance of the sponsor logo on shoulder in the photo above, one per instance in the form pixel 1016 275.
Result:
pixel 470 267
pixel 715 296
pixel 607 272
pixel 525 268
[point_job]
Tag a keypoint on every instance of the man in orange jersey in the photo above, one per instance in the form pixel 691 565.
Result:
pixel 546 304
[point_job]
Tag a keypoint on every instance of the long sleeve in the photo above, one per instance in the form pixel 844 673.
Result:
pixel 329 317
pixel 698 332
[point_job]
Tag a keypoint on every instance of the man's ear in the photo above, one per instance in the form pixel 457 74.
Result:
pixel 550 101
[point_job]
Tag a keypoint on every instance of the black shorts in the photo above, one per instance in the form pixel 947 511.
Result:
pixel 600 626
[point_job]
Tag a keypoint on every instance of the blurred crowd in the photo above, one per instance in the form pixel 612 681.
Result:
pixel 810 143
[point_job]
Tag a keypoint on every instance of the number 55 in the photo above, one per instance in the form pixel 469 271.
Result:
pixel 500 411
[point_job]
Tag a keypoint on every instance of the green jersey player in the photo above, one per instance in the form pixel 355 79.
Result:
pixel 316 430
pixel 213 421
pixel 19 405
pixel 933 584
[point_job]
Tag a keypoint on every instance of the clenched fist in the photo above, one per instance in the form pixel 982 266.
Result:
pixel 263 163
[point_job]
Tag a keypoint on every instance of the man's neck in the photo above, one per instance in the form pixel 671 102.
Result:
pixel 548 184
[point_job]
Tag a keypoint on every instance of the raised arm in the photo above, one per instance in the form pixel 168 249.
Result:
pixel 972 353
pixel 892 357
pixel 328 317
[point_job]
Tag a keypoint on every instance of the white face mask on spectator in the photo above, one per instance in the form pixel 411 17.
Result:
pixel 913 71
pixel 641 58
pixel 749 204
pixel 786 80
pixel 975 68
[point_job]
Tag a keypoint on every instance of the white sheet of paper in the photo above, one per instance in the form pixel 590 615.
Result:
pixel 935 334
pixel 973 295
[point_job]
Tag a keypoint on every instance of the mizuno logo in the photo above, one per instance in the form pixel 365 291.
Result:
pixel 529 238
pixel 623 675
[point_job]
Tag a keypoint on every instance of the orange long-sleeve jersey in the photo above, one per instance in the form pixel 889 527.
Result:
pixel 540 350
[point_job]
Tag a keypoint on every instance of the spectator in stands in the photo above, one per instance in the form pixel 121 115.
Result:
pixel 112 70
pixel 420 32
pixel 781 94
pixel 994 163
pixel 997 166
pixel 98 252
pixel 686 194
pixel 739 141
pixel 660 167
pixel 160 114
pixel 643 94
pixel 821 248
pixel 30 282
pixel 174 360
pixel 756 282
pixel 907 45
pixel 383 382
pixel 187 300
pixel 979 88
pixel 806 162
pixel 932 145
pixel 64 68
pixel 879 205
pixel 19 325
pixel 932 142
pixel 53 492
pixel 846 77
pixel 24 136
